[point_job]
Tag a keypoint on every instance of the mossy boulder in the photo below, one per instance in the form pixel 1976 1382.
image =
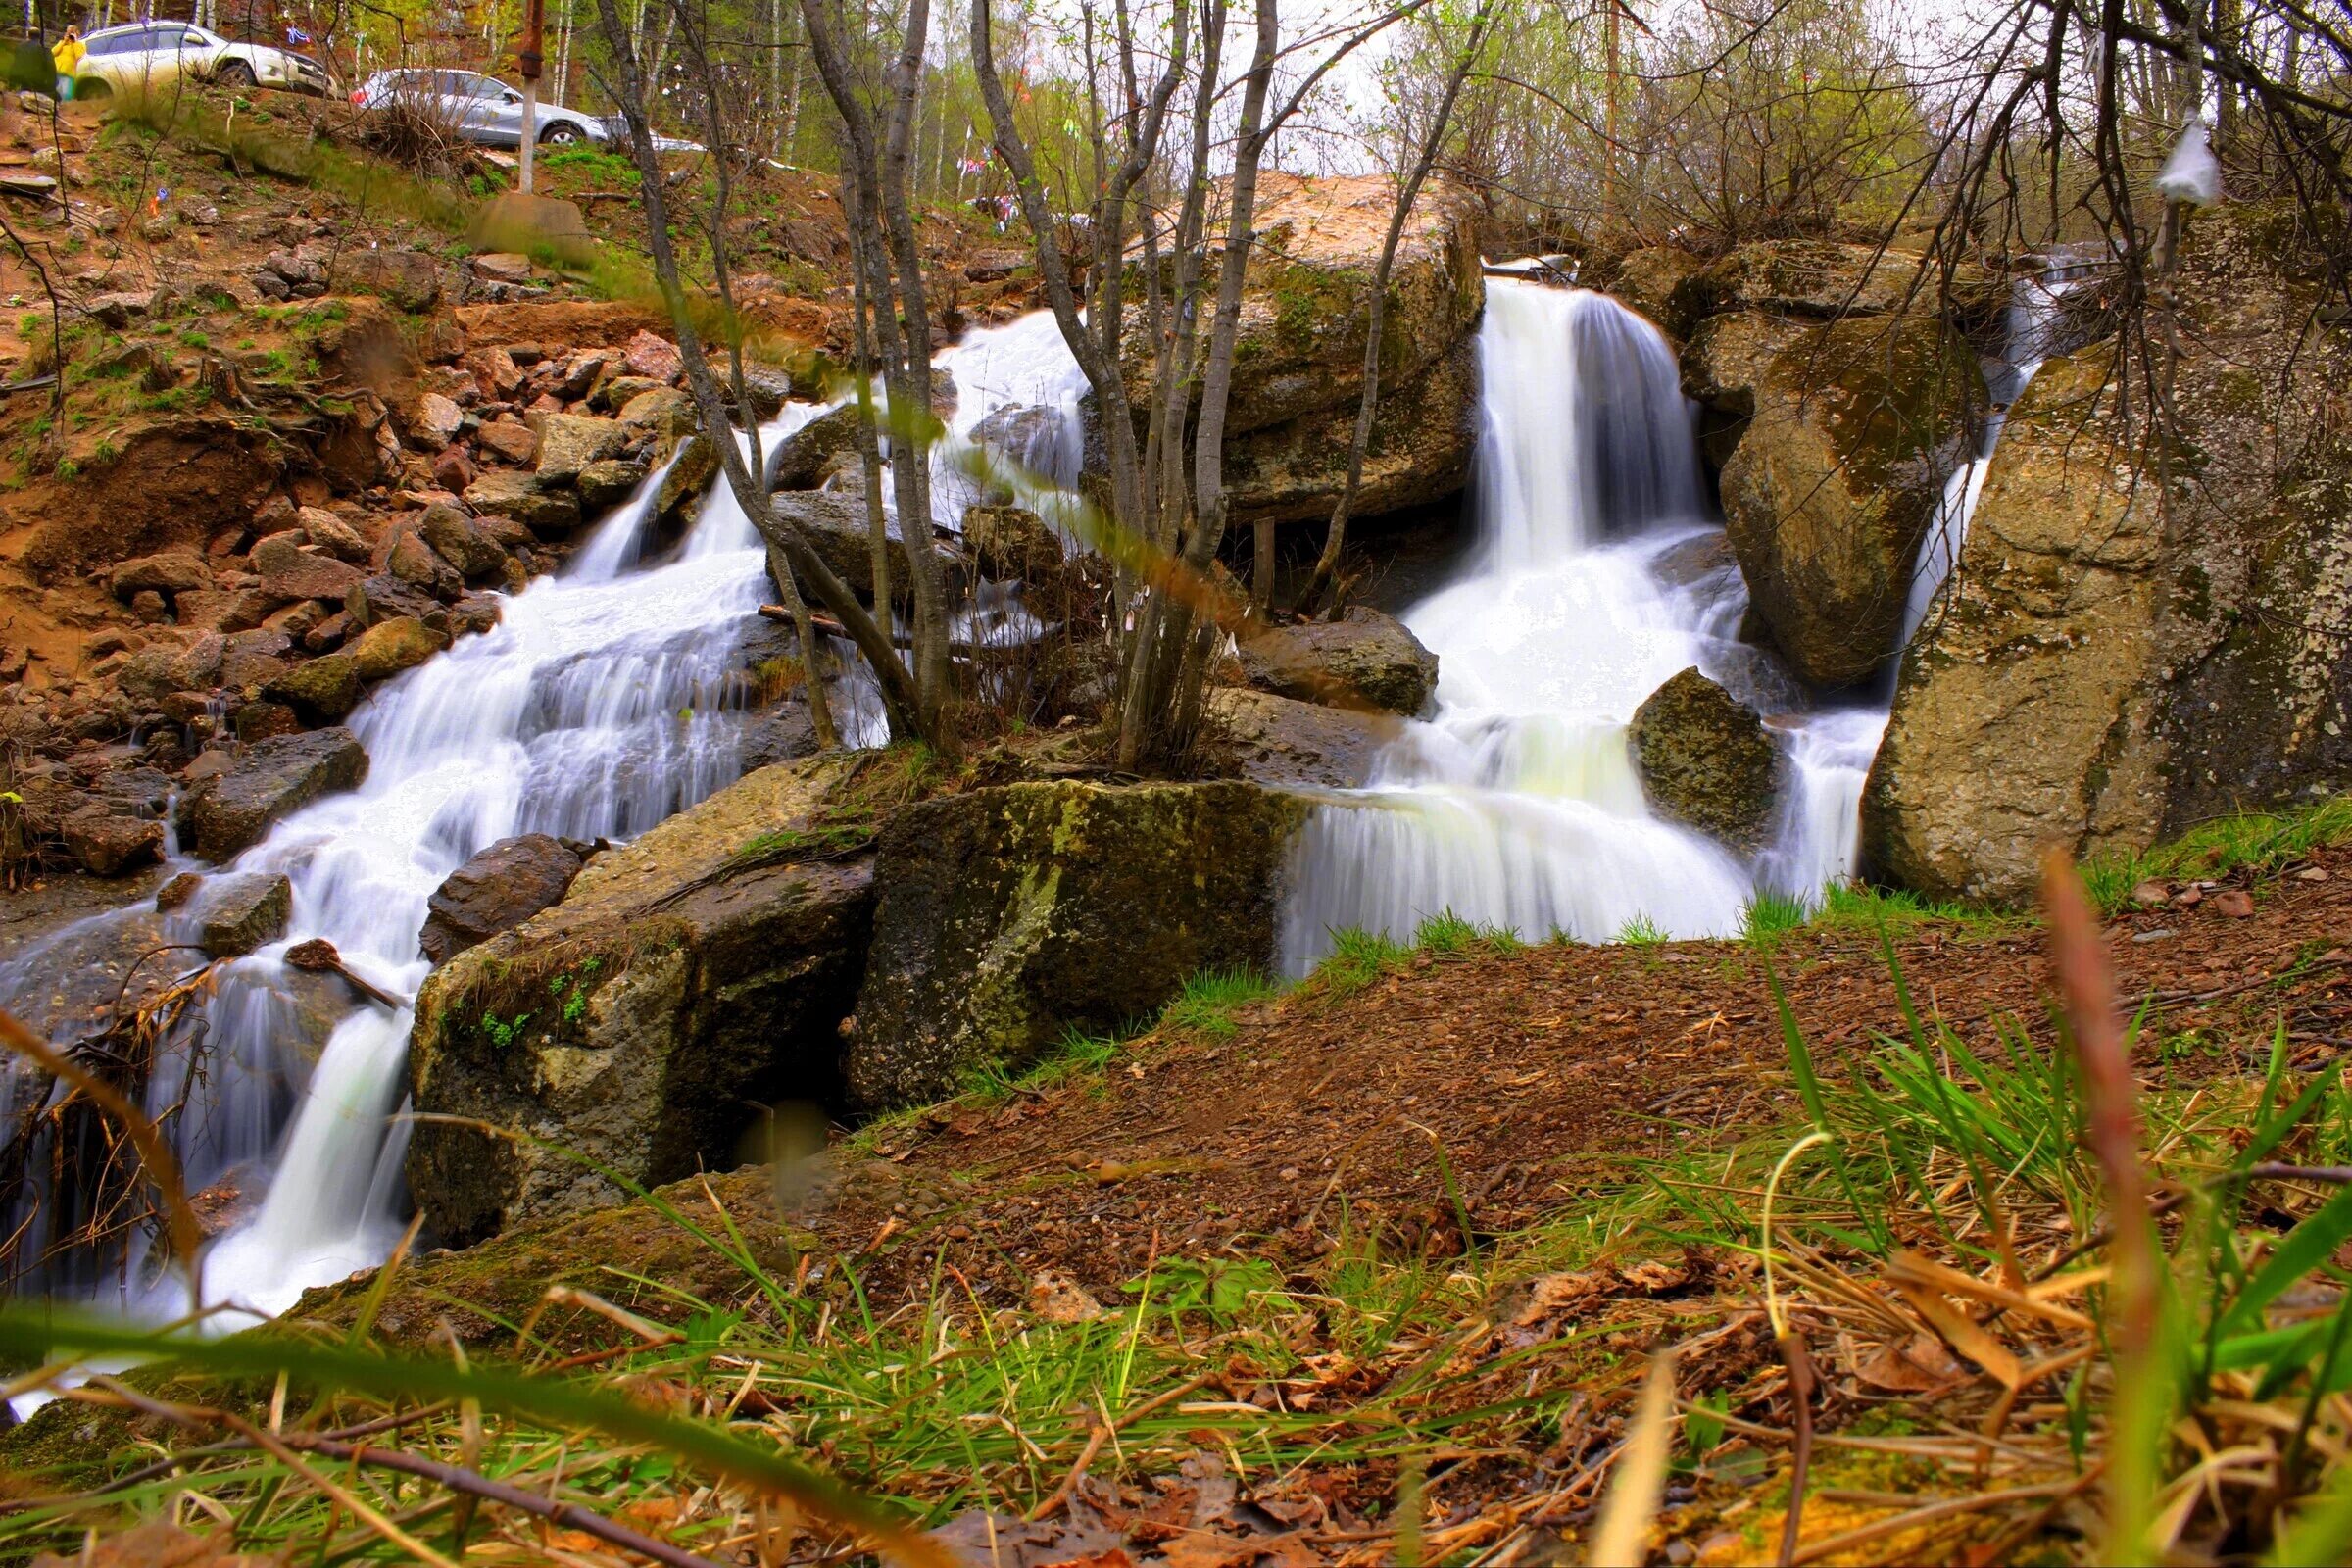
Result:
pixel 1706 760
pixel 1012 916
pixel 1857 424
pixel 2140 634
pixel 683 982
pixel 1288 744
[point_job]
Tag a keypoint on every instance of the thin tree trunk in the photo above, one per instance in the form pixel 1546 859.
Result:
pixel 1335 540
pixel 898 688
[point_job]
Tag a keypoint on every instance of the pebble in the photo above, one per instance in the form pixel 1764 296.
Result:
pixel 2157 935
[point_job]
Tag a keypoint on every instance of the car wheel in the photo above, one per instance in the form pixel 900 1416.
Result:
pixel 236 75
pixel 563 133
pixel 92 89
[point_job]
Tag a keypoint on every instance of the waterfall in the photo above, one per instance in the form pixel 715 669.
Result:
pixel 2032 329
pixel 604 700
pixel 1517 803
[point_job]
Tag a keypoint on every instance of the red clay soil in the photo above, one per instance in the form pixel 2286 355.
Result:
pixel 1540 1073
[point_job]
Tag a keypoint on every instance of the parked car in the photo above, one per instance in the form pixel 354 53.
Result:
pixel 150 55
pixel 482 108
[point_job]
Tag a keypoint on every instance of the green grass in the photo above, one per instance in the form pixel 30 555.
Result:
pixel 1209 1000
pixel 1642 932
pixel 1767 916
pixel 1448 934
pixel 1356 960
pixel 1850 907
pixel 2259 842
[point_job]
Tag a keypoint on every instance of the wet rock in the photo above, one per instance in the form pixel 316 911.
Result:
pixel 688 480
pixel 1298 364
pixel 570 442
pixel 474 612
pixel 106 845
pixel 241 911
pixel 269 779
pixel 1025 434
pixel 602 486
pixel 453 472
pixel 2125 651
pixel 385 597
pixel 508 493
pixel 1725 360
pixel 1287 744
pixel 1009 916
pixel 684 979
pixel 1836 478
pixel 391 646
pixel 323 690
pixel 801 458
pixel 496 891
pixel 835 525
pixel 419 564
pixel 261 721
pixel 663 416
pixel 1645 281
pixel 1706 762
pixel 254 659
pixel 1365 658
pixel 455 539
pixel 1824 280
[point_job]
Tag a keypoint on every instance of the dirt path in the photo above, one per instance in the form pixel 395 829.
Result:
pixel 1541 1074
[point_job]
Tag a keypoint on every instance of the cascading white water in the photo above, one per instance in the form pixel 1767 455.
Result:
pixel 1517 804
pixel 2032 328
pixel 603 701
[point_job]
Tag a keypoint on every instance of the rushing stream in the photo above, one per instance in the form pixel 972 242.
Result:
pixel 612 696
pixel 606 699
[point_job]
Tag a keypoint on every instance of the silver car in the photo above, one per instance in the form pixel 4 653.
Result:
pixel 482 108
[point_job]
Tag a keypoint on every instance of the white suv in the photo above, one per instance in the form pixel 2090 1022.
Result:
pixel 151 55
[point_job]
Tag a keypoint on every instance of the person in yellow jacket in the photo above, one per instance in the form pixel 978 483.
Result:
pixel 66 54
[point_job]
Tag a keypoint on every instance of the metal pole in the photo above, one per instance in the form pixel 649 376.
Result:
pixel 527 56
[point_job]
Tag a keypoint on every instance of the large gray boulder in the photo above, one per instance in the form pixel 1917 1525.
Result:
pixel 268 779
pixel 1010 917
pixel 683 982
pixel 2128 646
pixel 1706 762
pixel 1857 424
pixel 1363 660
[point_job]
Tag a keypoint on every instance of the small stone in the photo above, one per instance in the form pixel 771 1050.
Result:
pixel 148 605
pixel 2234 903
pixel 511 439
pixel 181 888
pixel 570 442
pixel 602 486
pixel 333 535
pixel 167 572
pixel 417 564
pixel 655 358
pixel 2312 873
pixel 2151 894
pixel 496 891
pixel 385 597
pixel 240 913
pixel 289 572
pixel 109 846
pixel 2189 897
pixel 455 539
pixel 434 422
pixel 503 267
